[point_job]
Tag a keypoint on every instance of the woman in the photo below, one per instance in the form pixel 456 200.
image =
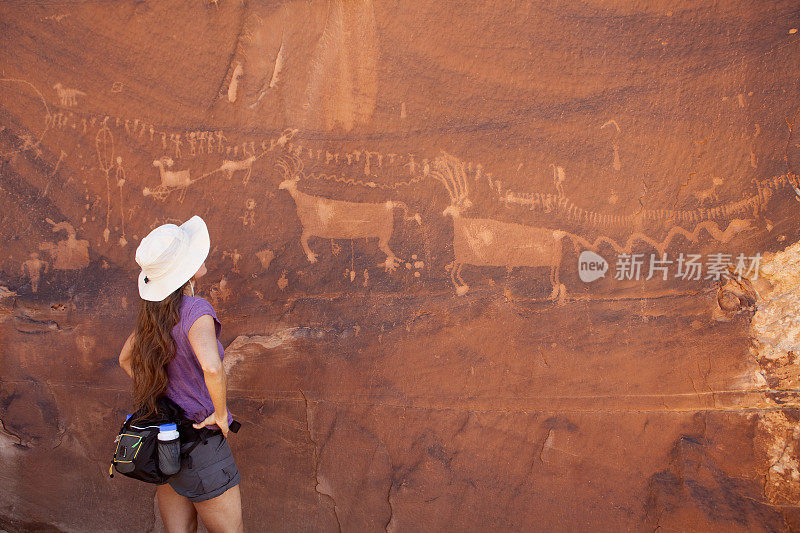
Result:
pixel 175 352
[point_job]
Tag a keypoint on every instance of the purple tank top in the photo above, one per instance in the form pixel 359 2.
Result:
pixel 186 385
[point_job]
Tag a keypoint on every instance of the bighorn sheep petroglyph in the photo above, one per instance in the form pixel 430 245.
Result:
pixel 171 178
pixel 337 219
pixel 488 242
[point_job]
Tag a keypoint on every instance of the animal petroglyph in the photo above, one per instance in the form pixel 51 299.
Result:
pixel 246 165
pixel 337 219
pixel 69 254
pixel 170 179
pixel 67 97
pixel 734 227
pixel 488 242
pixel 540 201
pixel 709 193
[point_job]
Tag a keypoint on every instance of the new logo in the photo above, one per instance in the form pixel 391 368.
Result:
pixel 591 266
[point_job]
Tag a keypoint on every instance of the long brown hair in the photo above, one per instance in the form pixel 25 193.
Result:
pixel 153 349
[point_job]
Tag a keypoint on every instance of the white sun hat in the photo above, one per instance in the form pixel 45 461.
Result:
pixel 169 256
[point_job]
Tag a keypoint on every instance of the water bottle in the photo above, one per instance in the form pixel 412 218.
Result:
pixel 169 449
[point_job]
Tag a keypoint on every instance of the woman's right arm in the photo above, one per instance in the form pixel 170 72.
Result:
pixel 203 338
pixel 125 355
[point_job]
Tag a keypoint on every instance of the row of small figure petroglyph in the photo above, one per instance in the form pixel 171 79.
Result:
pixel 214 141
pixel 534 200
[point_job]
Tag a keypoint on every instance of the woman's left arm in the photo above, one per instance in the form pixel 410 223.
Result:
pixel 125 355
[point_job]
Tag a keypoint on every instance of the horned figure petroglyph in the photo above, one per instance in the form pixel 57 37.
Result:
pixel 710 193
pixel 171 178
pixel 337 219
pixel 487 242
pixel 229 167
pixel 67 97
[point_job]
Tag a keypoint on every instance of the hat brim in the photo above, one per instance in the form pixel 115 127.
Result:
pixel 197 252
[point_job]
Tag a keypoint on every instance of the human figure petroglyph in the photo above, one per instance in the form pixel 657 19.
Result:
pixel 209 137
pixel 265 257
pixel 175 139
pixel 559 177
pixel 411 165
pixel 33 268
pixel 67 97
pixel 61 157
pixel 69 254
pixel 283 281
pixel 617 164
pixel 337 219
pixel 488 242
pixel 249 217
pixel 220 292
pixel 235 257
pixel 192 140
pixel 120 179
pixel 104 144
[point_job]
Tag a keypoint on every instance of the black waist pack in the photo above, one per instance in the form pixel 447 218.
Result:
pixel 136 453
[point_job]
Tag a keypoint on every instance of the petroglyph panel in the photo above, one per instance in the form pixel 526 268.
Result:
pixel 399 195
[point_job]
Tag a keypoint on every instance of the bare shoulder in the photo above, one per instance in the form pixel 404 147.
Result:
pixel 202 326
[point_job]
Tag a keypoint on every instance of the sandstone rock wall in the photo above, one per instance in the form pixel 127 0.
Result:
pixel 400 196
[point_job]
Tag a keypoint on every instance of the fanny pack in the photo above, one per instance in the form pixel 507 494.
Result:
pixel 136 452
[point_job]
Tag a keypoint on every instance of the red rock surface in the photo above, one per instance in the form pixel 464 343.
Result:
pixel 435 375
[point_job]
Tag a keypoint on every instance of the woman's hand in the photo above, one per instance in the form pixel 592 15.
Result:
pixel 220 420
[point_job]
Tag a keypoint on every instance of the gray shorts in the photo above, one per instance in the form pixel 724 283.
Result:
pixel 213 470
